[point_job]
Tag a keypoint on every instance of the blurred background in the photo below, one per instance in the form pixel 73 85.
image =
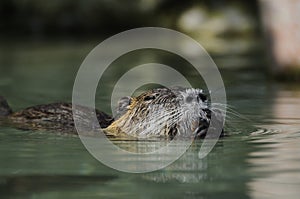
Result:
pixel 222 27
pixel 255 44
pixel 44 43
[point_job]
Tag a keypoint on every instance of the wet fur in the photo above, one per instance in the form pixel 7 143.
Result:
pixel 159 112
pixel 163 112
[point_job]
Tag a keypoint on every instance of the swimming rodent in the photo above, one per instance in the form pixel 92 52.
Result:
pixel 160 112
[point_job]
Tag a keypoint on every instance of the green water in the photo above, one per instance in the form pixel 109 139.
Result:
pixel 260 158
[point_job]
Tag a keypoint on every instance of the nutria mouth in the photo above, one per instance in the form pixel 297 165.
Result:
pixel 155 113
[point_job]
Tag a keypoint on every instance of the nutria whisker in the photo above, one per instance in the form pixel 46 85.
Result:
pixel 229 110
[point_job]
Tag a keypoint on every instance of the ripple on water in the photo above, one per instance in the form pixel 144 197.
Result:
pixel 275 162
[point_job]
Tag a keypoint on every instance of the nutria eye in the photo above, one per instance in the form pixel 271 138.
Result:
pixel 202 97
pixel 147 98
pixel 189 99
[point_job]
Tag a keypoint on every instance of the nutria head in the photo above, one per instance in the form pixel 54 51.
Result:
pixel 161 112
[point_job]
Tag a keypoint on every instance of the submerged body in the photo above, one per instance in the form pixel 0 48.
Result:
pixel 155 113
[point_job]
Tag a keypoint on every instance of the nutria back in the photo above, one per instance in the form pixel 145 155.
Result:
pixel 56 117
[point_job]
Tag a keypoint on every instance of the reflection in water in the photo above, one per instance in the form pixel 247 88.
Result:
pixel 47 185
pixel 265 164
pixel 188 169
pixel 286 107
pixel 277 162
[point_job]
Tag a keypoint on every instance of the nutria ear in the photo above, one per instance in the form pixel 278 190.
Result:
pixel 124 101
pixel 123 104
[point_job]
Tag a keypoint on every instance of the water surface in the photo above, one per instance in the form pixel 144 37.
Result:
pixel 259 159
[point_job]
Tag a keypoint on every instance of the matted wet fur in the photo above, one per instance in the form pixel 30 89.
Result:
pixel 160 112
pixel 163 112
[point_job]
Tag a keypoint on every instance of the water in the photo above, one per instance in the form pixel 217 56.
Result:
pixel 260 158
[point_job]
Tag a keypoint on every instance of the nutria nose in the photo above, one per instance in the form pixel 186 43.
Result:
pixel 202 96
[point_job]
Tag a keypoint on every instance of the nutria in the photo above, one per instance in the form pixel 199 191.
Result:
pixel 155 113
